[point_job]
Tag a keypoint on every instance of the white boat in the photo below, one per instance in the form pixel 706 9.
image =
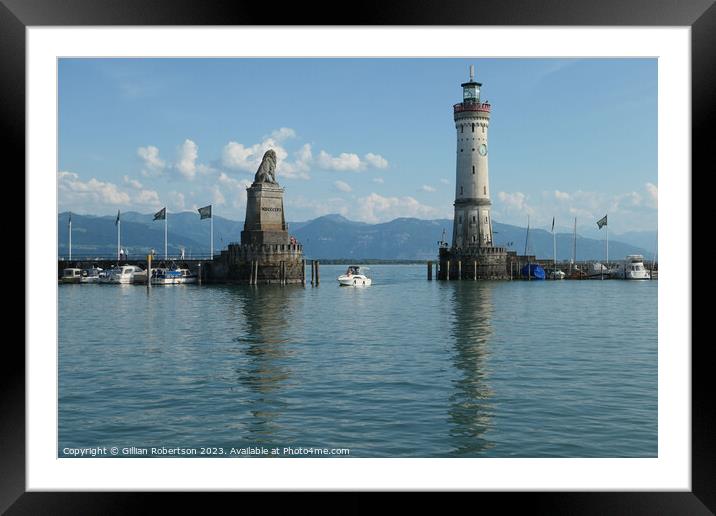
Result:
pixel 632 269
pixel 596 270
pixel 125 274
pixel 90 275
pixel 71 275
pixel 353 277
pixel 164 276
pixel 556 274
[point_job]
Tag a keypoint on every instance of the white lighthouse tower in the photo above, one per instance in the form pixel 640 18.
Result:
pixel 473 254
pixel 472 224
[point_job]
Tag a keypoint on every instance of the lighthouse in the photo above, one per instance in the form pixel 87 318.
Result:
pixel 473 254
pixel 472 224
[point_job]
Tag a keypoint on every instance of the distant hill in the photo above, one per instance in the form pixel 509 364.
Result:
pixel 327 237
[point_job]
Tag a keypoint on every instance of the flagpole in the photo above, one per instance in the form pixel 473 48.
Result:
pixel 165 234
pixel 70 237
pixel 212 234
pixel 554 250
pixel 119 225
pixel 607 241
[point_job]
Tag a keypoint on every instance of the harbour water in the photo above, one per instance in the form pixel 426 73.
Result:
pixel 404 368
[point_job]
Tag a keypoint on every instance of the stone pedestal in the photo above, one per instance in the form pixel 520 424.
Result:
pixel 266 253
pixel 265 222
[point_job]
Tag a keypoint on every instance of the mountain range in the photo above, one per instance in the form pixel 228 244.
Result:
pixel 326 237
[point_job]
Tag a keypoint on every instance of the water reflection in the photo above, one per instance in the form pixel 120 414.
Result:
pixel 470 411
pixel 264 341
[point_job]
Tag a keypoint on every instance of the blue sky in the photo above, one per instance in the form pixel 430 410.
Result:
pixel 372 139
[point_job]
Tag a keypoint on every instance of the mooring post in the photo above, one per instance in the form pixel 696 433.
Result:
pixel 430 271
pixel 201 274
pixel 474 275
pixel 149 271
pixel 459 269
pixel 303 272
pixel 318 273
pixel 447 275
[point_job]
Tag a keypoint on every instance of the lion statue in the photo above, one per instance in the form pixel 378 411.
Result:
pixel 267 170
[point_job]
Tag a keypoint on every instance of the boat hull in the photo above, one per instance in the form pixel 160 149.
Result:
pixel 354 281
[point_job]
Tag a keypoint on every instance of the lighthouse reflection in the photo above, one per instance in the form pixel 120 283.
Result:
pixel 470 411
pixel 264 368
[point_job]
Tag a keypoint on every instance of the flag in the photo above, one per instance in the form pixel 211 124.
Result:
pixel 161 214
pixel 205 212
pixel 602 222
pixel 117 221
pixel 552 224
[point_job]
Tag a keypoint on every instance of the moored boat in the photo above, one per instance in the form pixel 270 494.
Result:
pixel 71 275
pixel 631 269
pixel 91 275
pixel 124 274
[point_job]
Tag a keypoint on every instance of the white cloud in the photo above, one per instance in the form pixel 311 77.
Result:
pixel 376 208
pixel 284 133
pixel 147 198
pixel 299 167
pixel 427 188
pixel 376 160
pixel 89 194
pixel 320 207
pixel 217 195
pixel 177 201
pixel 153 164
pixel 237 187
pixel 133 183
pixel 186 161
pixel 515 202
pixel 350 161
pixel 344 161
pixel 445 181
pixel 653 192
pixel 342 186
pixel 378 180
pixel 561 196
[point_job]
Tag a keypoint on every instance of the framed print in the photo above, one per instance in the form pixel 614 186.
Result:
pixel 243 215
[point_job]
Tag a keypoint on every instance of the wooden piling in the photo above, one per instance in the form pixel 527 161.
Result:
pixel 318 274
pixel 430 271
pixel 303 272
pixel 474 274
pixel 200 274
pixel 313 272
pixel 149 271
pixel 447 275
pixel 459 269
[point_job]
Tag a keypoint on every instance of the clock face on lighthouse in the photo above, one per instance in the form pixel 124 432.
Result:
pixel 483 150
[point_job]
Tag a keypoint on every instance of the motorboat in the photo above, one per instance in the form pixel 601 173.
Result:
pixel 125 274
pixel 353 277
pixel 90 275
pixel 179 276
pixel 632 269
pixel 71 275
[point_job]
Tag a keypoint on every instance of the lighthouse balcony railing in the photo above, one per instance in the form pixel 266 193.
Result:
pixel 469 106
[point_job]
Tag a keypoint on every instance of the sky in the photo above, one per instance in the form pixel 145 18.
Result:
pixel 370 139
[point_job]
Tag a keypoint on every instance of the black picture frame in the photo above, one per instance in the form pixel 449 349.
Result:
pixel 699 15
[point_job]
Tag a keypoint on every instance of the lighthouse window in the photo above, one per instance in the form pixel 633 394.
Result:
pixel 473 170
pixel 461 194
pixel 462 128
pixel 473 128
pixel 473 218
pixel 473 238
pixel 484 190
